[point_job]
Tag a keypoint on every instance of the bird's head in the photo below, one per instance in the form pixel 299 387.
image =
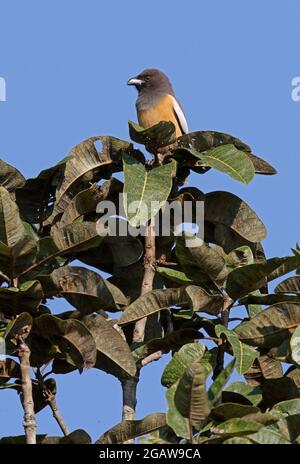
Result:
pixel 151 80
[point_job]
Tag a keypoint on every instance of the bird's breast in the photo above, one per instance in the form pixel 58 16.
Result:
pixel 161 110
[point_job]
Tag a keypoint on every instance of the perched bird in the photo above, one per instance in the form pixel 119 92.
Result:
pixel 156 101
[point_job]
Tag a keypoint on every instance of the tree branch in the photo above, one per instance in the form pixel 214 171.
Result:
pixel 56 413
pixel 129 386
pixel 29 421
pixel 227 303
pixel 149 273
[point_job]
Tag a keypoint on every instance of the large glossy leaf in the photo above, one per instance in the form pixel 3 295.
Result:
pixel 86 200
pixel 87 163
pixel 229 160
pixel 270 327
pixel 14 260
pixel 145 191
pixel 174 275
pixel 68 240
pixel 290 285
pixel 12 229
pixel 155 137
pixel 190 396
pixel 157 300
pixel 263 368
pixel 295 345
pixel 10 177
pixel 71 337
pixel 110 343
pixel 244 280
pixel 84 289
pixel 205 140
pixel 235 427
pixel 289 407
pixel 252 394
pixel 244 355
pixel 215 390
pixel 127 430
pixel 193 251
pixel 183 358
pixel 226 209
pixel 268 436
pixel 175 420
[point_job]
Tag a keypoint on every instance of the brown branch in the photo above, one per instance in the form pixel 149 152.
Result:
pixel 29 422
pixel 152 357
pixel 56 413
pixel 129 386
pixel 227 303
pixel 147 284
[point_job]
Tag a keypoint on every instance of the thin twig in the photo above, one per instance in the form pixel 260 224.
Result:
pixel 56 413
pixel 152 357
pixel 51 400
pixel 29 422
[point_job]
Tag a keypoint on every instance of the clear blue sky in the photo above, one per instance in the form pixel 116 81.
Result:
pixel 66 64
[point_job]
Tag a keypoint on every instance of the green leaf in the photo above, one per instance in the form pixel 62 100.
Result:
pixel 87 164
pixel 235 427
pixel 183 358
pixel 175 276
pixel 110 343
pixel 190 396
pixel 193 251
pixel 175 420
pixel 145 191
pixel 244 355
pixel 129 429
pixel 237 441
pixel 86 201
pixel 226 209
pixel 215 390
pixel 295 345
pixel 268 436
pixel 252 394
pixel 231 161
pixel 289 407
pixel 12 229
pixel 270 327
pixel 244 280
pixel 155 137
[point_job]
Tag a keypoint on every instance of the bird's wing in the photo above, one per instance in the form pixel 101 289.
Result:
pixel 179 115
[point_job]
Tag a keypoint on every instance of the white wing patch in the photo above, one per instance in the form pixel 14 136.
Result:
pixel 180 115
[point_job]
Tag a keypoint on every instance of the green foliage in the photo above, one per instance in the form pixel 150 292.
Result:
pixel 48 222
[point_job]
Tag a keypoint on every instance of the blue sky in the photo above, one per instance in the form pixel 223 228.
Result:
pixel 66 65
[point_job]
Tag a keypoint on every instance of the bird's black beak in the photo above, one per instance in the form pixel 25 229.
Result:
pixel 135 81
